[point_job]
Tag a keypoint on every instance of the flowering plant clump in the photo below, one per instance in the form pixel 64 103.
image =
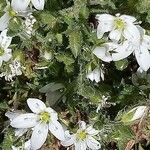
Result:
pixel 75 74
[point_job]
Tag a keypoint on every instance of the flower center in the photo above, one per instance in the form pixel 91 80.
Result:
pixel 81 135
pixel 1 51
pixel 45 117
pixel 119 23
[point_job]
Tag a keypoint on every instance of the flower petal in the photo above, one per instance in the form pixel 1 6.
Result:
pixel 122 51
pixel 146 41
pixel 106 23
pixel 38 4
pixel 27 145
pixel 36 105
pixel 91 131
pixel 143 58
pixel 82 125
pixel 128 18
pixel 12 115
pixel 94 75
pixel 57 130
pixel 69 139
pixel 4 21
pixel 115 35
pixel 140 110
pixel 20 5
pixel 39 135
pixel 132 33
pixel 80 145
pixel 25 121
pixel 92 143
pixel 20 132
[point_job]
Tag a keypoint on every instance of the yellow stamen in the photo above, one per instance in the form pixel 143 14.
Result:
pixel 119 23
pixel 45 117
pixel 81 135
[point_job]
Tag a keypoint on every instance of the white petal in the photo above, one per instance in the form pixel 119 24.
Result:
pixel 5 40
pixel 20 132
pixel 80 145
pixel 115 35
pixel 132 33
pixel 38 4
pixel 36 105
pixel 106 23
pixel 69 139
pixel 140 110
pixel 57 130
pixel 92 143
pixel 146 41
pixel 15 148
pixel 143 58
pixel 105 17
pixel 82 125
pixel 91 131
pixel 27 145
pixel 25 121
pixel 122 51
pixel 101 53
pixel 12 115
pixel 128 18
pixel 4 20
pixel 6 57
pixel 90 76
pixel 20 5
pixel 39 135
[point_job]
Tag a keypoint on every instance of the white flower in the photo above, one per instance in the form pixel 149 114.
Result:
pixel 97 74
pixel 83 139
pixel 41 120
pixel 26 146
pixel 21 5
pixel 139 111
pixel 114 52
pixel 5 52
pixel 140 49
pixel 119 27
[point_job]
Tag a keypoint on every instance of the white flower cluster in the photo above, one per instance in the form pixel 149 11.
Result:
pixel 126 37
pixel 44 119
pixel 15 8
pixel 29 22
pixel 15 69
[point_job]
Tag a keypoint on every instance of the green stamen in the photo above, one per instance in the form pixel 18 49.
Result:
pixel 119 23
pixel 45 117
pixel 81 135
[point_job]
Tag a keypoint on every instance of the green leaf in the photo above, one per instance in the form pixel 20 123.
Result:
pixel 8 140
pixel 51 87
pixel 122 64
pixel 75 41
pixel 53 97
pixel 47 18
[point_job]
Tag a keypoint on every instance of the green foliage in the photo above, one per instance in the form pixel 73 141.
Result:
pixel 8 140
